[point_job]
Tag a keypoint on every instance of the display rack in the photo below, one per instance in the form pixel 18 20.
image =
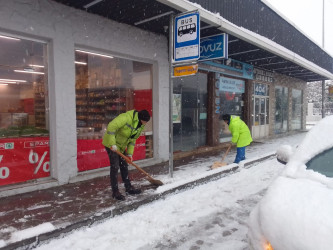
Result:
pixel 96 107
pixel 39 106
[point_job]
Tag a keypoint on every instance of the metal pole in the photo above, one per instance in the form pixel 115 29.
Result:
pixel 323 98
pixel 323 81
pixel 323 24
pixel 171 33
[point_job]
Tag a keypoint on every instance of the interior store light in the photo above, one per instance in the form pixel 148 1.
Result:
pixel 81 63
pixel 36 66
pixel 29 72
pixel 10 38
pixel 11 80
pixel 95 54
pixel 3 84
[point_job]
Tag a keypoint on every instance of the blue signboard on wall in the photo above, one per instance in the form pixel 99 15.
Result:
pixel 231 85
pixel 187 37
pixel 214 47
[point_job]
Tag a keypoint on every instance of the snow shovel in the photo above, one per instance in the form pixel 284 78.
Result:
pixel 149 178
pixel 218 164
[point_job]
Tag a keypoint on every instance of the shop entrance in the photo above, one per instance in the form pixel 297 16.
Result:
pixel 260 126
pixel 190 112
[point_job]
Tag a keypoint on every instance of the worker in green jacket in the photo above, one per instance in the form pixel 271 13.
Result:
pixel 121 135
pixel 240 135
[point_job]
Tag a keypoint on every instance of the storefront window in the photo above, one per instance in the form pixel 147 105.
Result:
pixel 107 86
pixel 296 119
pixel 281 109
pixel 24 128
pixel 231 102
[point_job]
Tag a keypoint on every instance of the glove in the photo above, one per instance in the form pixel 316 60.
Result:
pixel 114 148
pixel 130 157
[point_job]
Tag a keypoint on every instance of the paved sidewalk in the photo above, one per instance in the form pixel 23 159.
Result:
pixel 81 204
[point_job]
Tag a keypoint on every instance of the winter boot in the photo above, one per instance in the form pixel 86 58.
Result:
pixel 117 195
pixel 132 190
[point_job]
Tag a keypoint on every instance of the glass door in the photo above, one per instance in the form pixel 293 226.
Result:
pixel 260 126
pixel 189 128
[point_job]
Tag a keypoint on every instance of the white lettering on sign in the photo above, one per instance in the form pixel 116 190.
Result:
pixel 211 47
pixel 4 172
pixel 33 144
pixel 34 158
pixel 1 156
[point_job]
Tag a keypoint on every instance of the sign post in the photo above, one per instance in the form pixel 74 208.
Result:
pixel 187 37
pixel 184 51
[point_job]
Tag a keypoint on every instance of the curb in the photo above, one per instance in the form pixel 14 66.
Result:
pixel 35 241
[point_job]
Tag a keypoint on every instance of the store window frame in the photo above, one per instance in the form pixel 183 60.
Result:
pixel 129 98
pixel 281 118
pixel 296 110
pixel 32 140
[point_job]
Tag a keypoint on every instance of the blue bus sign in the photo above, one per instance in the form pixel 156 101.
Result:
pixel 187 37
pixel 214 47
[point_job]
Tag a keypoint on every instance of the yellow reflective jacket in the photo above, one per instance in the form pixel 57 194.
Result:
pixel 240 132
pixel 123 132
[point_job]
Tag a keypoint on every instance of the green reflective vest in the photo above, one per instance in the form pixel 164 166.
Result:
pixel 123 132
pixel 240 132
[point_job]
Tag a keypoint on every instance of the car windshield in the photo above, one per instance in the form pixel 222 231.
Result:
pixel 322 163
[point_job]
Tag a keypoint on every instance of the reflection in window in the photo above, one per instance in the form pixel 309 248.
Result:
pixel 281 109
pixel 107 86
pixel 296 112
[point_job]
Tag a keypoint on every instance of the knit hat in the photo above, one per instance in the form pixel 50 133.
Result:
pixel 144 115
pixel 226 118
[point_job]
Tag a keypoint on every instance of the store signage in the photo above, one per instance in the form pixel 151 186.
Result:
pixel 185 70
pixel 229 67
pixel 260 89
pixel 232 85
pixel 187 37
pixel 263 75
pixel 214 47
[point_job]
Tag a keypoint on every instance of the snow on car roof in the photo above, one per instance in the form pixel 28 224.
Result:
pixel 318 139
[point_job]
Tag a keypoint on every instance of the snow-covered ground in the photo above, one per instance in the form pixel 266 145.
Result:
pixel 209 216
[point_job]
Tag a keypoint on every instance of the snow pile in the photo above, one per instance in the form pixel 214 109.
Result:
pixel 32 231
pixel 284 153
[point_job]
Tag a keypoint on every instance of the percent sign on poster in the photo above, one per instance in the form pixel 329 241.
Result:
pixel 4 171
pixel 34 158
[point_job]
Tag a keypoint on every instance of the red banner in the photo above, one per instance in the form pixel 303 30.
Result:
pixel 23 159
pixel 91 154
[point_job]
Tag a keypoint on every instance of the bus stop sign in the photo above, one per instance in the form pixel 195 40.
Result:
pixel 187 37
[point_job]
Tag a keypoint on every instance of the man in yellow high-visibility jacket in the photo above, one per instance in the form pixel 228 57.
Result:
pixel 240 135
pixel 121 134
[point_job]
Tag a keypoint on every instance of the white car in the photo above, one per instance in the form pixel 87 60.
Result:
pixel 297 209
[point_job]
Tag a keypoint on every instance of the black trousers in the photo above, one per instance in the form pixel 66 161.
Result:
pixel 116 162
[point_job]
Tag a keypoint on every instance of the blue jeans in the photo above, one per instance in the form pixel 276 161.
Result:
pixel 240 156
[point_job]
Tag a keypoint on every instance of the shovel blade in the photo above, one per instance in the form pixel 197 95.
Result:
pixel 218 164
pixel 155 182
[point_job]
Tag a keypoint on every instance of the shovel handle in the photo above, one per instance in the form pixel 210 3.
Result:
pixel 226 153
pixel 132 163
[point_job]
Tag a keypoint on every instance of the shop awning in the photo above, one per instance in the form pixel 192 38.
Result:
pixel 244 45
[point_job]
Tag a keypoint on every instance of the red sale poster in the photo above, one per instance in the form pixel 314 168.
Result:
pixel 23 159
pixel 91 154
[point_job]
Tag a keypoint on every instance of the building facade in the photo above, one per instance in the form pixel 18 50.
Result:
pixel 66 73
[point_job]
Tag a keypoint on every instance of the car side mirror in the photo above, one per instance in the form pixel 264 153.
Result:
pixel 284 153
